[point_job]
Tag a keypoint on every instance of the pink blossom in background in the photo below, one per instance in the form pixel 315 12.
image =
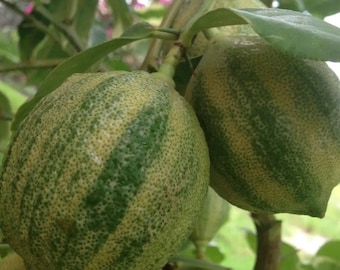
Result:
pixel 103 8
pixel 29 8
pixel 165 2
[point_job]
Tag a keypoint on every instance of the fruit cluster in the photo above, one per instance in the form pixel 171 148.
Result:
pixel 112 170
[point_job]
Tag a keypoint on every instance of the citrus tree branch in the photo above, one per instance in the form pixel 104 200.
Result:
pixel 268 241
pixel 72 37
pixel 36 64
pixel 33 20
pixel 151 61
pixel 65 29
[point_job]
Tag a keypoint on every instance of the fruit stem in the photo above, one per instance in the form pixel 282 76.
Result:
pixel 268 241
pixel 211 33
pixel 164 34
pixel 151 57
pixel 167 69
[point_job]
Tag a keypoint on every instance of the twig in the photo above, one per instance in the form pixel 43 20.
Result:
pixel 36 64
pixel 151 61
pixel 35 22
pixel 70 35
pixel 268 241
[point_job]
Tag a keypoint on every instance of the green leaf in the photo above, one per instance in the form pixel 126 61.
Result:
pixel 215 18
pixel 330 250
pixel 289 257
pixel 84 18
pixel 319 8
pixel 121 12
pixel 214 254
pixel 30 36
pixel 16 99
pixel 296 33
pixel 79 63
pixel 8 47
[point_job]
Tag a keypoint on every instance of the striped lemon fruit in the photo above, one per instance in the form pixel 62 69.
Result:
pixel 109 171
pixel 272 124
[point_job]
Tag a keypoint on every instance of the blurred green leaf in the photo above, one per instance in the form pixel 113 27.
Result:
pixel 154 12
pixel 8 46
pixel 324 263
pixel 5 115
pixel 30 36
pixel 81 62
pixel 214 254
pixel 121 12
pixel 289 257
pixel 16 99
pixel 252 241
pixel 330 250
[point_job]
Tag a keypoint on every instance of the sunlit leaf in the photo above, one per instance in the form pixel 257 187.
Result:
pixel 215 18
pixel 16 99
pixel 296 33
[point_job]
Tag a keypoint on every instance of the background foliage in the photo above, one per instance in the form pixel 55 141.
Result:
pixel 38 35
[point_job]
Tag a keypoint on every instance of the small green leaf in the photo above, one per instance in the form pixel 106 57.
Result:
pixel 296 33
pixel 121 12
pixel 330 250
pixel 80 63
pixel 214 254
pixel 84 18
pixel 324 263
pixel 215 18
pixel 30 36
pixel 5 115
pixel 16 99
